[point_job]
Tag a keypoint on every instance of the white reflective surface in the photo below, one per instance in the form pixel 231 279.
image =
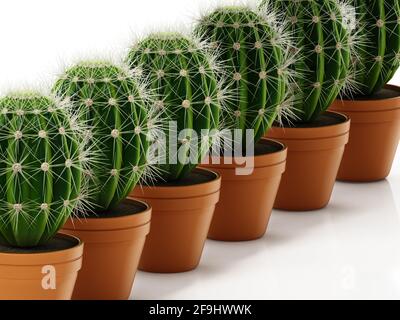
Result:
pixel 350 250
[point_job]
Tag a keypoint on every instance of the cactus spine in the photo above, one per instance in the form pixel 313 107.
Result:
pixel 256 57
pixel 42 161
pixel 323 39
pixel 181 74
pixel 115 110
pixel 378 56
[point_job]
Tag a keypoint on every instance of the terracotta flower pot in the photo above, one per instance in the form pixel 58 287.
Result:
pixel 315 151
pixel 113 245
pixel 245 207
pixel 182 214
pixel 47 272
pixel 374 135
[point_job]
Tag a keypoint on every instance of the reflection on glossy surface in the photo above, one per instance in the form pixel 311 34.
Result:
pixel 349 250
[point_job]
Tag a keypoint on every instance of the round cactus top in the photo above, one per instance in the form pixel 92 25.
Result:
pixel 233 16
pixel 165 43
pixel 21 102
pixel 25 94
pixel 167 36
pixel 92 71
pixel 235 9
pixel 95 64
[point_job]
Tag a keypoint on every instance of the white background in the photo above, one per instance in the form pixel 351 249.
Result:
pixel 349 250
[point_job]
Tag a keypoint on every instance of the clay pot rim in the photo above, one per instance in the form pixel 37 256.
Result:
pixel 313 133
pixel 103 223
pixel 180 192
pixel 370 105
pixel 260 161
pixel 45 258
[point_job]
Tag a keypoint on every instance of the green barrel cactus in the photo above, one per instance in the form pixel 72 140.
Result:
pixel 256 56
pixel 182 76
pixel 42 164
pixel 324 39
pixel 377 56
pixel 115 110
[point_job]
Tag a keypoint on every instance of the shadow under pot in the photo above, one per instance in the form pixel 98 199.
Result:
pixel 114 242
pixel 315 151
pixel 248 191
pixel 374 135
pixel 182 213
pixel 46 272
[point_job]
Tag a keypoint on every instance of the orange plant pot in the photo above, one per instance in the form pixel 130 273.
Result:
pixel 374 137
pixel 314 156
pixel 181 219
pixel 245 207
pixel 47 274
pixel 113 246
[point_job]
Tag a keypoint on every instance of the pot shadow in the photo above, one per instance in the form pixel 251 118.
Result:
pixel 217 257
pixel 350 201
pixel 351 205
pixel 361 197
pixel 284 229
pixel 394 181
pixel 367 207
pixel 369 230
pixel 353 209
pixel 150 286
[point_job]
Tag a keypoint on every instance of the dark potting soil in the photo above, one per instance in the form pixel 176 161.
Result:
pixel 324 120
pixel 262 147
pixel 385 93
pixel 195 177
pixel 267 146
pixel 58 243
pixel 125 208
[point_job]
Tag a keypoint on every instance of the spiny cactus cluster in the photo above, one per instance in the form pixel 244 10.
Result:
pixel 377 57
pixel 116 112
pixel 257 58
pixel 322 36
pixel 41 168
pixel 182 75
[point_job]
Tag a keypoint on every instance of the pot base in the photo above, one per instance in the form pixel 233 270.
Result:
pixel 113 246
pixel 182 215
pixel 48 272
pixel 246 201
pixel 314 156
pixel 374 135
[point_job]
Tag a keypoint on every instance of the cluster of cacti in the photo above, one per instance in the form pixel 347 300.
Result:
pixel 115 110
pixel 42 163
pixel 322 37
pixel 255 51
pixel 377 56
pixel 182 76
pixel 103 110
